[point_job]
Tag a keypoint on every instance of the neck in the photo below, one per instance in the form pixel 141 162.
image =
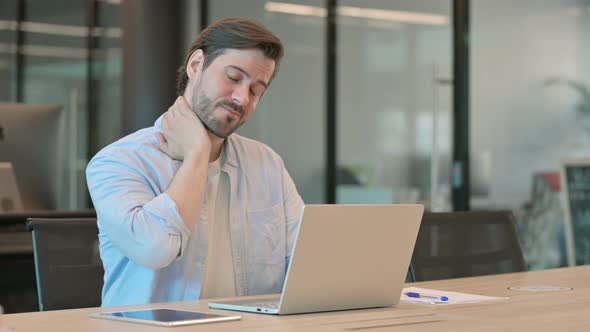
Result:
pixel 216 145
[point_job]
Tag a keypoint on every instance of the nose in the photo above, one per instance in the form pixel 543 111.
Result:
pixel 241 95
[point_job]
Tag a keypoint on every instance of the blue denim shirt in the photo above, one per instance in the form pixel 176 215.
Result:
pixel 148 253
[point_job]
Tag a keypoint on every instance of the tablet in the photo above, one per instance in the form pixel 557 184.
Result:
pixel 164 317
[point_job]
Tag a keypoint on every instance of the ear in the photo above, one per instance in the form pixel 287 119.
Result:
pixel 194 65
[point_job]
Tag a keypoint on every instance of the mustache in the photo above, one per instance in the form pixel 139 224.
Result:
pixel 231 105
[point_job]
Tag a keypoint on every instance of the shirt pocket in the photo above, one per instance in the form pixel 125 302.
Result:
pixel 266 235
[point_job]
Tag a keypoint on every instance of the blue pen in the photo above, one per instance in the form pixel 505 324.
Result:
pixel 418 295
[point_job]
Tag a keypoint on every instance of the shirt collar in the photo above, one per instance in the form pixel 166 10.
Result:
pixel 230 152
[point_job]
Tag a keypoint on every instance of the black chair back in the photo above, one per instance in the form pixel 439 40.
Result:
pixel 466 244
pixel 18 287
pixel 67 263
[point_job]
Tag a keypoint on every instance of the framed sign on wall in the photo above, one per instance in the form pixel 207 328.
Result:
pixel 575 175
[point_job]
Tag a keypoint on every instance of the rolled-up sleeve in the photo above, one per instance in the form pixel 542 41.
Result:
pixel 140 220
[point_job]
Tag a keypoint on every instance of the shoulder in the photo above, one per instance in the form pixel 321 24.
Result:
pixel 136 147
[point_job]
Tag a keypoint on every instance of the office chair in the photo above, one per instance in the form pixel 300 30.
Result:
pixel 67 263
pixel 466 244
pixel 18 287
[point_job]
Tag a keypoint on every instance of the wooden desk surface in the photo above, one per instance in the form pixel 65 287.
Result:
pixel 525 311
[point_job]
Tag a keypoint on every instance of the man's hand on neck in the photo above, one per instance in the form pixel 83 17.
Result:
pixel 183 133
pixel 185 138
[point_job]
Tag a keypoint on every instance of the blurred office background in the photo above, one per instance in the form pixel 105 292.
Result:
pixel 455 104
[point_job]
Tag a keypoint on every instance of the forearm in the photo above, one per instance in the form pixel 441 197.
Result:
pixel 188 187
pixel 151 236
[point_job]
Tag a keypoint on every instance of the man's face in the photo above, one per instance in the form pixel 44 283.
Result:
pixel 226 93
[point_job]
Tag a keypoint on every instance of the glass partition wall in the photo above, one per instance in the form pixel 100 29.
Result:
pixel 66 53
pixel 391 96
pixel 8 54
pixel 290 117
pixel 54 71
pixel 393 92
pixel 394 102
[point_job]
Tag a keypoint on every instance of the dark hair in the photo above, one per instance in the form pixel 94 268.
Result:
pixel 236 33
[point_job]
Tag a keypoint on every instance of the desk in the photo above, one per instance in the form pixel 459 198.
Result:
pixel 525 311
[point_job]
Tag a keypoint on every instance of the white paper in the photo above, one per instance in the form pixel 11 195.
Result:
pixel 454 297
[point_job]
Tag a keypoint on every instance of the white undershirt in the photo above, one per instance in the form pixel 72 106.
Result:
pixel 219 279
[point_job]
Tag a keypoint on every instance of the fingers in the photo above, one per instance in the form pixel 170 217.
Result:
pixel 181 101
pixel 180 105
pixel 172 109
pixel 179 110
pixel 182 131
pixel 166 121
pixel 162 142
pixel 160 137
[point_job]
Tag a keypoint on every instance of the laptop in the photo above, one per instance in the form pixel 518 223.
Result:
pixel 344 257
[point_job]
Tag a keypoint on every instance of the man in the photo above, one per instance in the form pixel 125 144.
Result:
pixel 187 209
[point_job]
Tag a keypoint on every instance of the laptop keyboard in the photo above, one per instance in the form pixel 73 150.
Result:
pixel 265 304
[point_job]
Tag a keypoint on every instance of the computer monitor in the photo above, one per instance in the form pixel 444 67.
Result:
pixel 10 200
pixel 31 138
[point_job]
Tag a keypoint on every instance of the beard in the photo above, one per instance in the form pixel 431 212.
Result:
pixel 221 126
